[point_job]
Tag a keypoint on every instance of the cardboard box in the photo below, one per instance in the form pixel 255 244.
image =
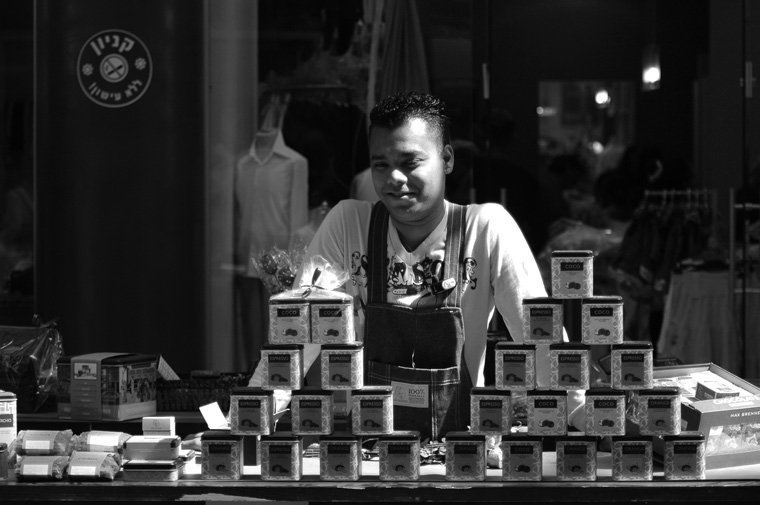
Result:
pixel 734 419
pixel 107 386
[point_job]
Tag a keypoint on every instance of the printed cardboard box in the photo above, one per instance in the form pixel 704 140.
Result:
pixel 107 386
pixel 731 424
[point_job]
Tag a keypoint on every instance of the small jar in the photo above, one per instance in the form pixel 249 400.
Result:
pixel 572 274
pixel 684 457
pixel 602 320
pixel 542 320
pixel 342 366
pixel 632 458
pixel 605 412
pixel 399 454
pixel 221 455
pixel 515 366
pixel 251 411
pixel 522 458
pixel 312 412
pixel 490 411
pixel 282 366
pixel 340 457
pixel 372 410
pixel 659 411
pixel 576 458
pixel 281 457
pixel 632 365
pixel 465 456
pixel 569 366
pixel 288 320
pixel 547 412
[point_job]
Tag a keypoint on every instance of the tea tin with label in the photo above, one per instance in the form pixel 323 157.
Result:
pixel 490 411
pixel 632 458
pixel 522 458
pixel 684 457
pixel 221 455
pixel 340 457
pixel 342 366
pixel 515 366
pixel 605 412
pixel 547 412
pixel 281 457
pixel 251 411
pixel 576 458
pixel 659 411
pixel 399 454
pixel 602 320
pixel 465 456
pixel 372 412
pixel 632 365
pixel 542 320
pixel 569 366
pixel 282 366
pixel 312 412
pixel 572 274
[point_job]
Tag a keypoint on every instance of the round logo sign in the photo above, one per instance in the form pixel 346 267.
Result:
pixel 114 68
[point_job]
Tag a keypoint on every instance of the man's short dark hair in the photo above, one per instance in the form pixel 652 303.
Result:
pixel 395 110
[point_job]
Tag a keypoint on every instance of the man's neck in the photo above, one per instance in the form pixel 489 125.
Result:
pixel 412 235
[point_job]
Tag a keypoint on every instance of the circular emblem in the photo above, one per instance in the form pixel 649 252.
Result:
pixel 114 68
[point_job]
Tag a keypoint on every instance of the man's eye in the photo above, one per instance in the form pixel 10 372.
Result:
pixel 379 166
pixel 413 163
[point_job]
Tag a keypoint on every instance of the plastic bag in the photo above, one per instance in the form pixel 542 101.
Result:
pixel 277 268
pixel 28 357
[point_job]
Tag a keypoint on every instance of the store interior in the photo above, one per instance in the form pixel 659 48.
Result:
pixel 133 224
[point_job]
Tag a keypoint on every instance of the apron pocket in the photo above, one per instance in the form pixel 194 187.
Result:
pixel 425 400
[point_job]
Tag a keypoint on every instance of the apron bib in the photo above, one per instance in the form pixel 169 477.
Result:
pixel 419 351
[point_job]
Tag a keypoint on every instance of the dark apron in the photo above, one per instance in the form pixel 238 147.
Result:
pixel 419 350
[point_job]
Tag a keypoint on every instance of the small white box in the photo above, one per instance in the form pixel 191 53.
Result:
pixel 158 426
pixel 141 447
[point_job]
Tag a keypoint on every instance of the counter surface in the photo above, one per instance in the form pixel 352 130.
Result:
pixel 737 484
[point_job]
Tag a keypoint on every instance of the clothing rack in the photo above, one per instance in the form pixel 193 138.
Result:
pixel 332 93
pixel 699 197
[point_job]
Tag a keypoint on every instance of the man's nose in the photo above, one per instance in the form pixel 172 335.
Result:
pixel 396 176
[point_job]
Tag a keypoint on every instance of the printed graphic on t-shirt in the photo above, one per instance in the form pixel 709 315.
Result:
pixel 359 269
pixel 404 279
pixel 469 273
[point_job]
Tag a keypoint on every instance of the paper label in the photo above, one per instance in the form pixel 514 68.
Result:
pixel 410 395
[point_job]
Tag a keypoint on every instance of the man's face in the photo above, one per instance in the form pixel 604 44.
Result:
pixel 409 168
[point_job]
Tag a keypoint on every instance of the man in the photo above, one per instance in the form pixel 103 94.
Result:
pixel 426 274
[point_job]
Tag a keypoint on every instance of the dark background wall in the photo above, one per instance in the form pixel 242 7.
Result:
pixel 528 41
pixel 120 191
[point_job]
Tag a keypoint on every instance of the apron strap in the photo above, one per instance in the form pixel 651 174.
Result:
pixel 377 247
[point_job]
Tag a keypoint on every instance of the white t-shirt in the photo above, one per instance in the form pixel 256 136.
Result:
pixel 500 271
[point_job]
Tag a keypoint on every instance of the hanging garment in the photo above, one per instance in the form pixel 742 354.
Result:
pixel 271 191
pixel 697 322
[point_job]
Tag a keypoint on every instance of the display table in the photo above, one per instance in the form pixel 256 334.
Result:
pixel 738 484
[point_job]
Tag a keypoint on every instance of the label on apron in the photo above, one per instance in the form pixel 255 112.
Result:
pixel 410 395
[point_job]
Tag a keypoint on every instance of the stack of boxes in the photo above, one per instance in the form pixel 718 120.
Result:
pixel 630 390
pixel 154 455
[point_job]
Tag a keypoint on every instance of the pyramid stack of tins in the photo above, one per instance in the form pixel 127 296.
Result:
pixel 321 316
pixel 629 388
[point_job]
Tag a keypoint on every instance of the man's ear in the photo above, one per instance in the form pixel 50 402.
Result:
pixel 448 158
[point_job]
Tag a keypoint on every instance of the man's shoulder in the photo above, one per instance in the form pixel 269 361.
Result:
pixel 350 207
pixel 486 212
